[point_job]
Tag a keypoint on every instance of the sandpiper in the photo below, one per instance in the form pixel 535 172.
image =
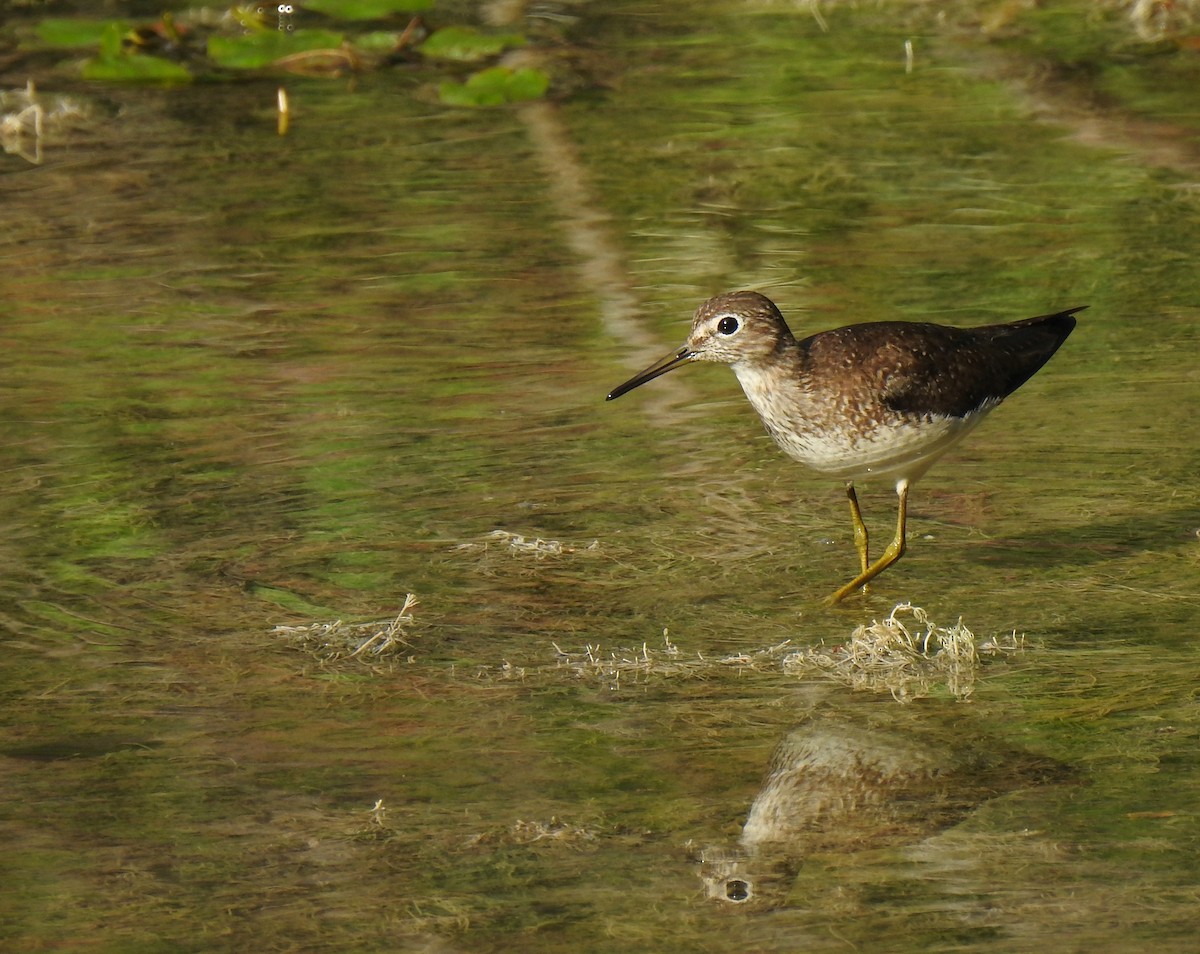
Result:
pixel 882 399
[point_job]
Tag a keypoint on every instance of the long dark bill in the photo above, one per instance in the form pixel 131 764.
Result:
pixel 669 363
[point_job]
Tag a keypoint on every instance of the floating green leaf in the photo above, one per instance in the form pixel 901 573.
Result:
pixel 495 87
pixel 379 42
pixel 116 64
pixel 75 33
pixel 467 44
pixel 256 50
pixel 365 9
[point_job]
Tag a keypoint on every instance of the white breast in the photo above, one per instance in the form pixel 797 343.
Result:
pixel 839 439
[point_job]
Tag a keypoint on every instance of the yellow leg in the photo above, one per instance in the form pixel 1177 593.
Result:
pixel 894 550
pixel 860 528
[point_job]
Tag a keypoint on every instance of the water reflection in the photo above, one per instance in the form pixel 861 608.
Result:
pixel 833 787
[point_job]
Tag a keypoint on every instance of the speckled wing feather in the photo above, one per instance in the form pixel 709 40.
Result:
pixel 906 364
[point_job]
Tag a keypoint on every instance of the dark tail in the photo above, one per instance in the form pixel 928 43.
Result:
pixel 1031 343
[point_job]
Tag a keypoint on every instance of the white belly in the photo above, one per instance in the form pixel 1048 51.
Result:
pixel 900 450
pixel 839 437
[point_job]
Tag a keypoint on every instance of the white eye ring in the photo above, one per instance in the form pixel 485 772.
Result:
pixel 728 325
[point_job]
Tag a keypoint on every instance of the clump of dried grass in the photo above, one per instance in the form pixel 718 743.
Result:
pixel 638 664
pixel 520 544
pixel 372 641
pixel 635 665
pixel 906 654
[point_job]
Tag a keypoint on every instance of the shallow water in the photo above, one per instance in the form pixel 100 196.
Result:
pixel 251 380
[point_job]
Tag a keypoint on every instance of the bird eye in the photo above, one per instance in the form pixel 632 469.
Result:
pixel 727 325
